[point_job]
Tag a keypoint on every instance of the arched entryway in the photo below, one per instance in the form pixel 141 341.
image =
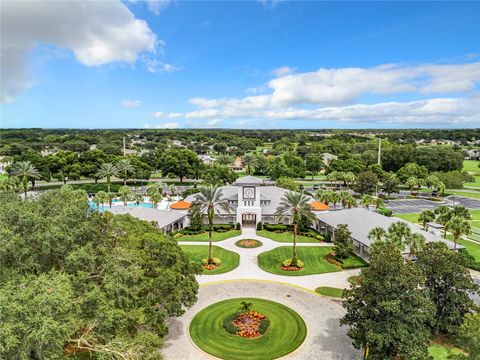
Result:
pixel 249 219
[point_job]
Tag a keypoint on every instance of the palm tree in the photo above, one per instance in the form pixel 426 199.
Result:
pixel 125 194
pixel 209 200
pixel 333 177
pixel 398 232
pixel 324 196
pixel 296 206
pixel 111 196
pixel 107 170
pixel 415 242
pixel 349 178
pixel 345 198
pixel 173 190
pixel 100 198
pixel 377 234
pixel 425 217
pixel 9 184
pixel 444 213
pixel 155 198
pixel 138 198
pixel 412 182
pixel 249 161
pixel 431 180
pixel 24 170
pixel 155 188
pixel 335 198
pixel 124 167
pixel 366 200
pixel 378 201
pixel 458 226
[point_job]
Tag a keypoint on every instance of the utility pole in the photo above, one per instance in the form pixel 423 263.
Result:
pixel 124 151
pixel 379 152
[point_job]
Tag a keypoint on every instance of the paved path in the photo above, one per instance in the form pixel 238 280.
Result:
pixel 326 339
pixel 248 268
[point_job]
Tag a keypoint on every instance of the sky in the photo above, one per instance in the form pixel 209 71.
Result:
pixel 239 64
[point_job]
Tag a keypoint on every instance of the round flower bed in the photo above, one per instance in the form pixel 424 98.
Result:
pixel 248 243
pixel 216 262
pixel 288 266
pixel 248 324
pixel 283 333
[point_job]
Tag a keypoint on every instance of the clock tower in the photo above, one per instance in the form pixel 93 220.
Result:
pixel 249 210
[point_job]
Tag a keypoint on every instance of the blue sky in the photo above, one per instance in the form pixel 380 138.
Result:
pixel 176 64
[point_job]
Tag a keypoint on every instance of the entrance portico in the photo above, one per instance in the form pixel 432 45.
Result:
pixel 249 218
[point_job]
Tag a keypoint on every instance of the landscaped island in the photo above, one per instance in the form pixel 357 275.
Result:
pixel 284 331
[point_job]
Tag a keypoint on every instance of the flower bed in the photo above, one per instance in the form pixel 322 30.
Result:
pixel 248 325
pixel 248 243
pixel 287 265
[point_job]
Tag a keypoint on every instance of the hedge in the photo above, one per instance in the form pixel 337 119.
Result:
pixel 384 211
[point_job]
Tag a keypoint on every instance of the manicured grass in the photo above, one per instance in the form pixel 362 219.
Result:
pixel 286 332
pixel 412 217
pixel 471 195
pixel 474 184
pixel 286 236
pixel 473 248
pixel 196 253
pixel 313 258
pixel 216 236
pixel 471 166
pixel 441 352
pixel 329 291
pixel 353 262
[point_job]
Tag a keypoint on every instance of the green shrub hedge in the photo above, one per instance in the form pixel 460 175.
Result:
pixel 384 211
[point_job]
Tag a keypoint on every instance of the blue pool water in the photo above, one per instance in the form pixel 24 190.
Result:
pixel 105 207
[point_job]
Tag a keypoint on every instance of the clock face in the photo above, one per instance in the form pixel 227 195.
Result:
pixel 249 193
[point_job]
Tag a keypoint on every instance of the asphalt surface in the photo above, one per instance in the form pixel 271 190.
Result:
pixel 418 205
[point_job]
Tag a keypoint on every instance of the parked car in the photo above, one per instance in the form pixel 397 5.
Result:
pixel 316 187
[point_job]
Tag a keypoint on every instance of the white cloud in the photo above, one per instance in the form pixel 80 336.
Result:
pixel 214 122
pixel 269 4
pixel 131 103
pixel 157 6
pixel 175 115
pixel 156 66
pixel 283 71
pixel 167 125
pixel 97 32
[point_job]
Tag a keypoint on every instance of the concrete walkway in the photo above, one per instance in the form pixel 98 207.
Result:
pixel 325 340
pixel 248 268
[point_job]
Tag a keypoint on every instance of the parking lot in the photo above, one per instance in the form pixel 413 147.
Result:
pixel 411 205
pixel 418 205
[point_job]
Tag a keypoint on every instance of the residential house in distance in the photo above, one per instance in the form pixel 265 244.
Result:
pixel 237 164
pixel 473 154
pixel 327 157
pixel 5 161
pixel 207 159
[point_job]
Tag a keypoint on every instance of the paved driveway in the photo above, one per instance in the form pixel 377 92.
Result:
pixel 326 339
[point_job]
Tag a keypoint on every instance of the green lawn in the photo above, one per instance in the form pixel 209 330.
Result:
pixel 441 352
pixel 412 217
pixel 216 236
pixel 474 184
pixel 329 291
pixel 313 258
pixel 353 262
pixel 472 248
pixel 471 166
pixel 196 253
pixel 285 236
pixel 286 331
pixel 470 194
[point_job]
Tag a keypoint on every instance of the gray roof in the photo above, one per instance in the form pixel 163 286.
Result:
pixel 248 180
pixel 360 221
pixel 162 217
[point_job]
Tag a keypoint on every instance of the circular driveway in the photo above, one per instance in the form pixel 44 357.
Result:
pixel 325 340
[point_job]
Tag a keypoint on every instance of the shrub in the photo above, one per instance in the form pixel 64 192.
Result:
pixel 222 227
pixel 384 211
pixel 288 262
pixel 264 324
pixel 216 261
pixel 276 227
pixel 228 323
pixel 238 226
pixel 259 225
